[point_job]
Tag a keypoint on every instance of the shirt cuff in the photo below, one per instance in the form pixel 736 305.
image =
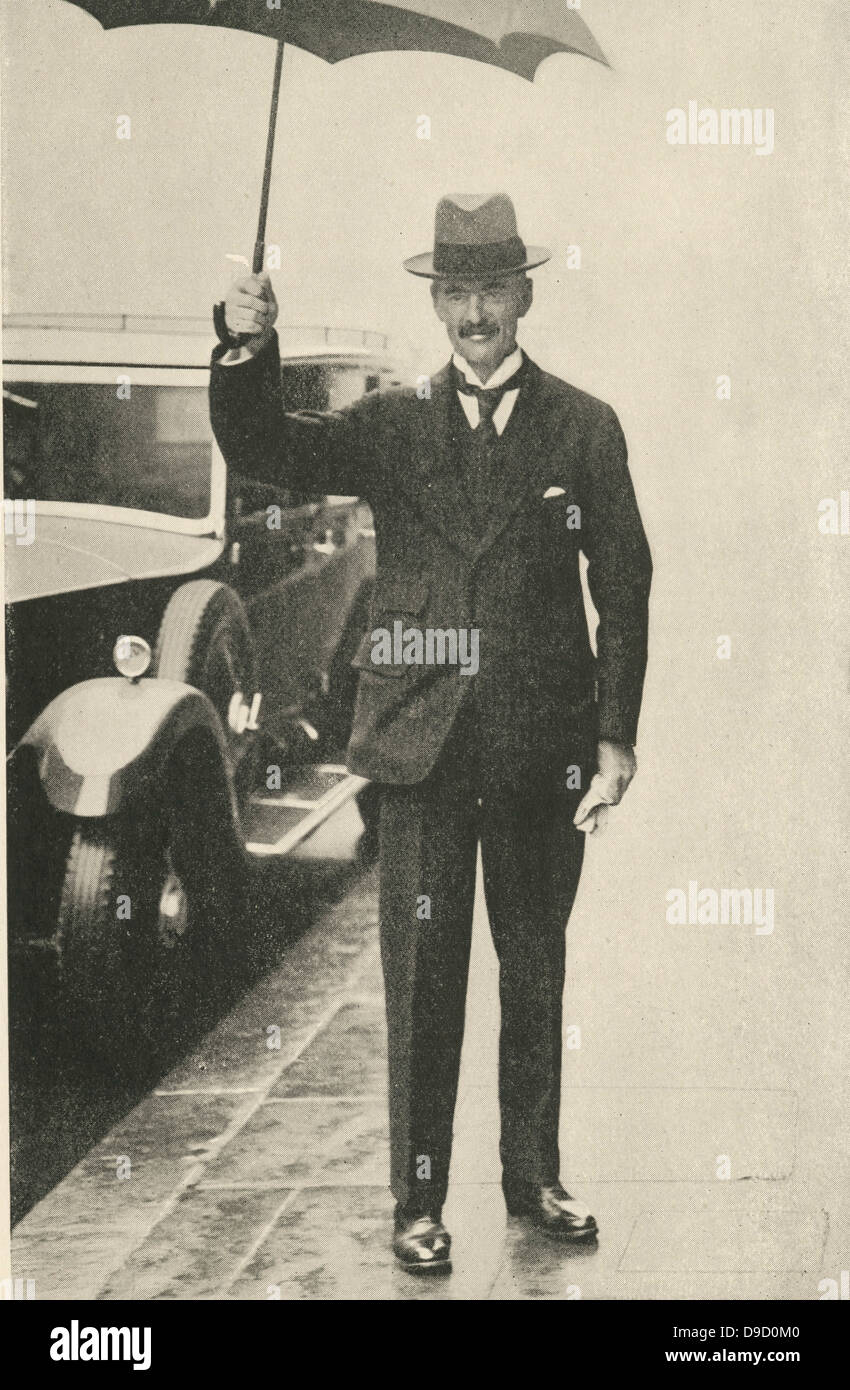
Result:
pixel 234 356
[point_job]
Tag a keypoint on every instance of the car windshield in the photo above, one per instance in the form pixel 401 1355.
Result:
pixel 118 444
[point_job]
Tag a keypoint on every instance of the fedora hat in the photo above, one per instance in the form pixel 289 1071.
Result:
pixel 475 235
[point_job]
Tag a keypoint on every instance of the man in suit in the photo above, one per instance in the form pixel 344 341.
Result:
pixel 485 486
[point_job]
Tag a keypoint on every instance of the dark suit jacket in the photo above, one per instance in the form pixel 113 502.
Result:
pixel 542 700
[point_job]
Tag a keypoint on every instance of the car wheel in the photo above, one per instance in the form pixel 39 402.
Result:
pixel 144 908
pixel 205 641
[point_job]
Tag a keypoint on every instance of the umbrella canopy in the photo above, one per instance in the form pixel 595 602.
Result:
pixel 512 34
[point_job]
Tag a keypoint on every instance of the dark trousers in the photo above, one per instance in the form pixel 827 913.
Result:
pixel 532 857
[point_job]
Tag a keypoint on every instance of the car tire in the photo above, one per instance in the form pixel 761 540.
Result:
pixel 205 641
pixel 146 913
pixel 94 946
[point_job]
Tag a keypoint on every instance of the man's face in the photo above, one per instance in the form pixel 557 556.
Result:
pixel 481 317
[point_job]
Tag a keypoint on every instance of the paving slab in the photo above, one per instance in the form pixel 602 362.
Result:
pixel 197 1249
pixel 333 1243
pixel 296 997
pixel 645 1134
pixel 347 1059
pixel 736 1242
pixel 87 1227
pixel 307 1142
pixel 644 1218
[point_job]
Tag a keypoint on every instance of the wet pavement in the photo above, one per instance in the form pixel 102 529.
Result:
pixel 700 1133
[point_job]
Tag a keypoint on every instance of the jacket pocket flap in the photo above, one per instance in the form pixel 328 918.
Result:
pixel 362 659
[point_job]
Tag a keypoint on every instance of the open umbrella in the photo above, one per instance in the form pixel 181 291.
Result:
pixel 512 34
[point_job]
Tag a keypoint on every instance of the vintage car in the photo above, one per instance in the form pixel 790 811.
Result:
pixel 178 649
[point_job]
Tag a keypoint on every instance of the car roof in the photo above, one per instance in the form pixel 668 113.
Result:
pixel 149 341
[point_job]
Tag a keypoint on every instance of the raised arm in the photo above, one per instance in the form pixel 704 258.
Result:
pixel 305 451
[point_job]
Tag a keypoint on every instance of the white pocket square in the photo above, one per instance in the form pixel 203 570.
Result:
pixel 554 492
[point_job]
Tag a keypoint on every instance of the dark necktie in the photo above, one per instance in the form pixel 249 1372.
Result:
pixel 488 399
pixel 483 455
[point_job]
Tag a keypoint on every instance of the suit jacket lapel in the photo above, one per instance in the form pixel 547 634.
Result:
pixel 528 445
pixel 537 431
pixel 433 477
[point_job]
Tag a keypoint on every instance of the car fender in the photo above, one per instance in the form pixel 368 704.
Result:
pixel 101 744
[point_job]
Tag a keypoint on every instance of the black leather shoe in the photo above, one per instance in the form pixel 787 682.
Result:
pixel 422 1245
pixel 553 1210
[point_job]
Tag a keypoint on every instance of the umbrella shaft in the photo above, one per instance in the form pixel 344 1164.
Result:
pixel 260 243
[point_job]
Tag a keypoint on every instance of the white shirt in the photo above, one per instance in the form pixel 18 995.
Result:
pixel 505 370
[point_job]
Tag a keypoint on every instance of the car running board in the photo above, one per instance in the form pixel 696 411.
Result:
pixel 278 823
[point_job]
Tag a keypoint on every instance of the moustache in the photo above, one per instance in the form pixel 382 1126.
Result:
pixel 467 330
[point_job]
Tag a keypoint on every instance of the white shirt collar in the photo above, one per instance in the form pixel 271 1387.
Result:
pixel 502 373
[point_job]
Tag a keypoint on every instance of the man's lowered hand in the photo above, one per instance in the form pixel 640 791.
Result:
pixel 617 767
